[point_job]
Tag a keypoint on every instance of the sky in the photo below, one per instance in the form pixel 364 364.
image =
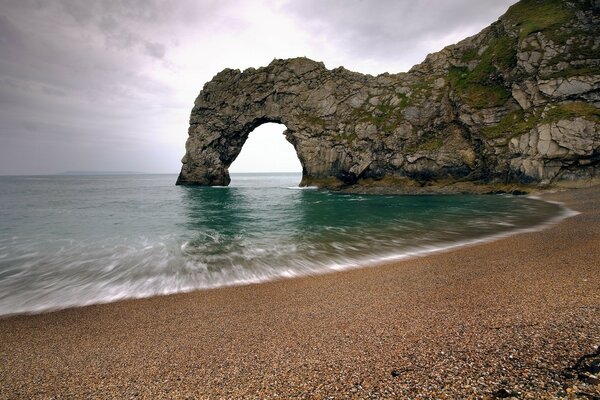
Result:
pixel 108 85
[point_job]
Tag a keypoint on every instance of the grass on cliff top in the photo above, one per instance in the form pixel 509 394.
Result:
pixel 539 16
pixel 516 123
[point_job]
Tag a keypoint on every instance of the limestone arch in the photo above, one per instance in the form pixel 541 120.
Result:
pixel 234 103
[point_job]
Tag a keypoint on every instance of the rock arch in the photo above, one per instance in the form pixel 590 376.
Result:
pixel 291 92
pixel 488 110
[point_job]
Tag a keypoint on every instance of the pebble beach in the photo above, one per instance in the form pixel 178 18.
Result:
pixel 515 318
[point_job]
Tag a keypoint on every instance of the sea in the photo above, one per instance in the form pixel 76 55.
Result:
pixel 68 241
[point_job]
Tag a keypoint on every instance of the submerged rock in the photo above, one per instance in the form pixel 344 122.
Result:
pixel 518 103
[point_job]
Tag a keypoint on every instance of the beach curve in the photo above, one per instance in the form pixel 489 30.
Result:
pixel 508 317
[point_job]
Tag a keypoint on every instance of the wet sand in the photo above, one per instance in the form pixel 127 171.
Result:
pixel 511 317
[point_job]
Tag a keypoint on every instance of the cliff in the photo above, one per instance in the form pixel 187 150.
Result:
pixel 518 103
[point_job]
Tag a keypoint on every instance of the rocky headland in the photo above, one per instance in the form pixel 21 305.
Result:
pixel 516 106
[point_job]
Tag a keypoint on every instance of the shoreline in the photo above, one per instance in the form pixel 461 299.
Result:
pixel 512 314
pixel 336 267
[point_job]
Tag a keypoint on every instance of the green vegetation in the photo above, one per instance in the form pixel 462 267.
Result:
pixel 572 110
pixel 581 48
pixel 477 94
pixel 572 71
pixel 348 138
pixel 430 145
pixel 512 124
pixel 500 55
pixel 554 19
pixel 427 142
pixel 312 120
pixel 470 54
pixel 539 16
pixel 423 88
pixel 481 87
pixel 516 123
pixel 404 100
pixel 384 116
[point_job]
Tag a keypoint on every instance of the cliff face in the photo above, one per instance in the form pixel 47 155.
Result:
pixel 517 103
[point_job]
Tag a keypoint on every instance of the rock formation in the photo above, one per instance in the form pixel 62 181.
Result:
pixel 517 103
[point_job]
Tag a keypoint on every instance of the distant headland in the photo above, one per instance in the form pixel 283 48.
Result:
pixel 516 105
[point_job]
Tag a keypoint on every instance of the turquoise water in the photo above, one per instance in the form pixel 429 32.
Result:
pixel 75 240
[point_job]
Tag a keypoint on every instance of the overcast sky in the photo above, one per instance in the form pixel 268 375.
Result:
pixel 109 85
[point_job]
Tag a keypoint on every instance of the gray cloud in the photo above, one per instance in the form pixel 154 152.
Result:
pixel 9 34
pixel 156 50
pixel 72 83
pixel 392 29
pixel 97 84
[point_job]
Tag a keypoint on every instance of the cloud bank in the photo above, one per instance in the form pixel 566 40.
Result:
pixel 109 84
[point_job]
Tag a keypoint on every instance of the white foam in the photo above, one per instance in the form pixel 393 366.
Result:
pixel 159 269
pixel 566 213
pixel 301 187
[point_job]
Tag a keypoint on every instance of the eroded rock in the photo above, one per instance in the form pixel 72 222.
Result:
pixel 499 107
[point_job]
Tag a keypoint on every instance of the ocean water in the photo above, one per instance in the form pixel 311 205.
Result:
pixel 75 240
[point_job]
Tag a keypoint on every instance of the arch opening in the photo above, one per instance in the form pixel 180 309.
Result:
pixel 266 151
